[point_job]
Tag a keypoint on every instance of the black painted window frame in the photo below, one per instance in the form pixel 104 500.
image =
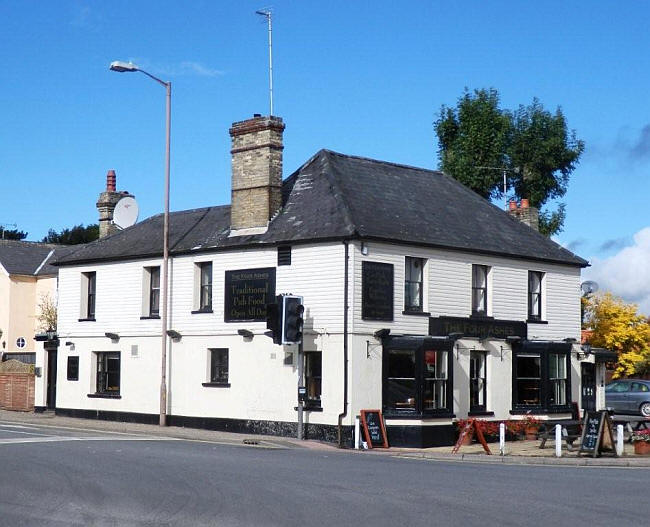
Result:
pixel 546 404
pixel 474 408
pixel 205 286
pixel 480 309
pixel 419 347
pixel 106 372
pixel 219 366
pixel 72 371
pixel 535 297
pixel 154 290
pixel 91 294
pixel 284 255
pixel 313 368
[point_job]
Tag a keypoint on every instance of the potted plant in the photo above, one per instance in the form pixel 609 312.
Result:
pixel 531 426
pixel 641 440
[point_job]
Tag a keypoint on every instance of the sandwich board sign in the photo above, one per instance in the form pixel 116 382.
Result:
pixel 597 434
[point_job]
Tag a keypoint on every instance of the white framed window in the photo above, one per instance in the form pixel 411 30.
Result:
pixel 151 292
pixel 203 287
pixel 21 342
pixel 480 289
pixel 535 283
pixel 218 374
pixel 414 284
pixel 88 298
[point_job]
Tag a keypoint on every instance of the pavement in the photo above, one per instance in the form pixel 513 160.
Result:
pixel 516 452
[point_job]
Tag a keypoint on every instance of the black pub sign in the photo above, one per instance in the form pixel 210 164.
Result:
pixel 247 292
pixel 479 328
pixel 376 291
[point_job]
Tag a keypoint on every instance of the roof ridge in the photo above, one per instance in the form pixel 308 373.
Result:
pixel 382 162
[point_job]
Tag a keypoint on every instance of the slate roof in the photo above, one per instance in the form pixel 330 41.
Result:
pixel 30 258
pixel 336 196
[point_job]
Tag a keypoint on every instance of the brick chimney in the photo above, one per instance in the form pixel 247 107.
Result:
pixel 256 173
pixel 525 213
pixel 106 205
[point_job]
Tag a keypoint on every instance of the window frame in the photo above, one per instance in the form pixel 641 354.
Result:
pixel 102 372
pixel 478 408
pixel 419 347
pixel 205 286
pixel 72 369
pixel 213 365
pixel 88 301
pixel 410 307
pixel 535 302
pixel 477 311
pixel 309 356
pixel 154 292
pixel 546 391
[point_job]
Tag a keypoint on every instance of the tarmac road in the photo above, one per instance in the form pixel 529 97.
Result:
pixel 64 476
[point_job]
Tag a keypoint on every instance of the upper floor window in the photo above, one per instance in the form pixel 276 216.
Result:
pixel 479 289
pixel 413 284
pixel 284 255
pixel 88 295
pixel 205 286
pixel 154 291
pixel 535 295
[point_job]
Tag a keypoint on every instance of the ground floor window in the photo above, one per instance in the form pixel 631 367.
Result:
pixel 73 368
pixel 540 377
pixel 313 377
pixel 477 384
pixel 219 365
pixel 108 373
pixel 417 376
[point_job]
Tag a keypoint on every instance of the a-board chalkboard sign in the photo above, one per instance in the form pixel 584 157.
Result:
pixel 597 435
pixel 374 428
pixel 376 291
pixel 247 291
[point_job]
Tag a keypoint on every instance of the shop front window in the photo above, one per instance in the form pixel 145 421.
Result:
pixel 400 388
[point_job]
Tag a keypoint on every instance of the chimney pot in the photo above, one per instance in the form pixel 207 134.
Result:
pixel 110 181
pixel 513 204
pixel 525 203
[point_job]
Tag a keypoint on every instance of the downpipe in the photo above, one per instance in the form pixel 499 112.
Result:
pixel 346 308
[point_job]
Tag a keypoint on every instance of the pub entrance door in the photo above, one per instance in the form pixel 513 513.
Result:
pixel 51 378
pixel 588 381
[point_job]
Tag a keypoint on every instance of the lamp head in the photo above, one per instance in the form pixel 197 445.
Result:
pixel 118 65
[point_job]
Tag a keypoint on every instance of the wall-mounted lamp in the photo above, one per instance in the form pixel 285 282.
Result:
pixel 455 336
pixel 70 344
pixel 364 248
pixel 570 340
pixel 381 333
pixel 246 333
pixel 112 336
pixel 585 351
pixel 512 340
pixel 174 335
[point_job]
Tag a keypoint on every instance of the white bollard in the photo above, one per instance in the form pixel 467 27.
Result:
pixel 502 439
pixel 620 440
pixel 558 440
pixel 357 439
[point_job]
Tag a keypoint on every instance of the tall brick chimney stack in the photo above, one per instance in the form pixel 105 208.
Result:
pixel 256 173
pixel 525 213
pixel 106 205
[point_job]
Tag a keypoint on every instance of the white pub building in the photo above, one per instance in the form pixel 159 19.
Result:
pixel 421 299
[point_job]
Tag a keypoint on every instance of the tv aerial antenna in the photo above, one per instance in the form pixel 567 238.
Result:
pixel 266 12
pixel 505 179
pixel 126 212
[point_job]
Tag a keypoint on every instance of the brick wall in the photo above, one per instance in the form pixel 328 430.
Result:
pixel 17 391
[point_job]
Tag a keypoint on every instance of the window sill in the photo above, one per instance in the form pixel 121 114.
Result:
pixel 417 313
pixel 87 319
pixel 481 413
pixel 535 321
pixel 151 317
pixel 216 384
pixel 537 410
pixel 309 408
pixel 388 414
pixel 104 396
pixel 197 311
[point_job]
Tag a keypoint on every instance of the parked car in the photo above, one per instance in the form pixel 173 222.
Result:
pixel 628 396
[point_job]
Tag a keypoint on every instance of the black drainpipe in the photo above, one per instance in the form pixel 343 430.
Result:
pixel 346 307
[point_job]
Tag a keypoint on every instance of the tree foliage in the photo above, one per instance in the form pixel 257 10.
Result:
pixel 47 315
pixel 532 144
pixel 14 234
pixel 618 327
pixel 75 235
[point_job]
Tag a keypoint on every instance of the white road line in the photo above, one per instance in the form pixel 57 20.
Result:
pixel 18 426
pixel 58 439
pixel 21 432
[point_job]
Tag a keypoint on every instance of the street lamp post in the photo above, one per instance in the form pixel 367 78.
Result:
pixel 121 67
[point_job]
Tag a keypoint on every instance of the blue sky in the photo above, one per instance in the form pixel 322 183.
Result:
pixel 362 78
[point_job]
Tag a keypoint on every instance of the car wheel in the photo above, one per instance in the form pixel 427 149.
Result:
pixel 645 409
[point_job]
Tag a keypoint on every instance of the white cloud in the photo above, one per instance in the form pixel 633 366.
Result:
pixel 627 273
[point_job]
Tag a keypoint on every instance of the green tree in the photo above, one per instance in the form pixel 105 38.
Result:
pixel 12 234
pixel 75 235
pixel 534 145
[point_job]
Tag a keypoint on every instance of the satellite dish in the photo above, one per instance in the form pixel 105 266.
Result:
pixel 588 287
pixel 126 212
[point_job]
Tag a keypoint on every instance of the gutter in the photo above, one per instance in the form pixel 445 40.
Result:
pixel 346 308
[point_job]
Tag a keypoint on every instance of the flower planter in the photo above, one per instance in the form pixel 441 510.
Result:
pixel 642 448
pixel 531 432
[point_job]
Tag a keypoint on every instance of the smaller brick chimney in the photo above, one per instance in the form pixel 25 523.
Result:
pixel 106 205
pixel 524 213
pixel 256 173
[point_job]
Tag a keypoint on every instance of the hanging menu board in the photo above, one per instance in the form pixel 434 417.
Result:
pixel 597 435
pixel 374 428
pixel 247 291
pixel 376 291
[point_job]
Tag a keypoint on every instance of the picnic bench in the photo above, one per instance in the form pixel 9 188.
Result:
pixel 571 431
pixel 631 424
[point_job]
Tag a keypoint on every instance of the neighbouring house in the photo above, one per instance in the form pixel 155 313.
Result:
pixel 421 299
pixel 28 282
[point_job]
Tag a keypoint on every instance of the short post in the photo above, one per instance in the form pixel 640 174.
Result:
pixel 620 440
pixel 502 439
pixel 558 440
pixel 357 431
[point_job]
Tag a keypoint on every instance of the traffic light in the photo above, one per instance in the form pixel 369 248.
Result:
pixel 292 321
pixel 273 322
